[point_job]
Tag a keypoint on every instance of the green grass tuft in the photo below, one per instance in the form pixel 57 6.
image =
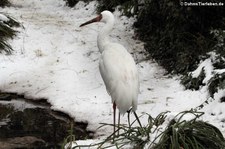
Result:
pixel 193 134
pixel 179 134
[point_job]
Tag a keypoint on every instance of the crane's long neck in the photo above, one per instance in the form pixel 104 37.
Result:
pixel 103 36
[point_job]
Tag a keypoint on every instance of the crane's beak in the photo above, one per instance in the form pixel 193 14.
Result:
pixel 97 19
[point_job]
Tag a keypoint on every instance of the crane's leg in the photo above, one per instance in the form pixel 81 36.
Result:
pixel 119 124
pixel 114 120
pixel 128 117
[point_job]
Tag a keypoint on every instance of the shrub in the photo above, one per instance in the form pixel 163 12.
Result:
pixel 128 7
pixel 193 83
pixel 176 36
pixel 4 3
pixel 214 77
pixel 109 5
pixel 6 32
pixel 72 3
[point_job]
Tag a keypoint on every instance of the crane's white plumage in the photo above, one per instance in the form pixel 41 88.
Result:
pixel 117 68
pixel 120 77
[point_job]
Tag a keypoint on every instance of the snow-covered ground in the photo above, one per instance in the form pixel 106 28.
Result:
pixel 57 60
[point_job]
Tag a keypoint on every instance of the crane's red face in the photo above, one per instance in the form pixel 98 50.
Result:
pixel 97 19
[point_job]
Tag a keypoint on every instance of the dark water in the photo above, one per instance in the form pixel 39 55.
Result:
pixel 26 124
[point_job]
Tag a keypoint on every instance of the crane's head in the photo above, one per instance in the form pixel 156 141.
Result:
pixel 105 16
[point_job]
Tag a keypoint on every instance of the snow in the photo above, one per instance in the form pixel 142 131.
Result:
pixel 20 105
pixel 207 66
pixel 3 18
pixel 56 60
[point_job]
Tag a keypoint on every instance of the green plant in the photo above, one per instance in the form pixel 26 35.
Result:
pixel 176 36
pixel 216 82
pixel 70 138
pixel 193 83
pixel 137 136
pixel 72 3
pixel 108 5
pixel 128 7
pixel 4 3
pixel 7 32
pixel 180 133
pixel 192 134
pixel 217 59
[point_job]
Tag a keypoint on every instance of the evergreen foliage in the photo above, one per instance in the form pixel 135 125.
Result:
pixel 217 59
pixel 216 82
pixel 176 36
pixel 4 3
pixel 128 7
pixel 7 32
pixel 110 5
pixel 72 3
pixel 193 83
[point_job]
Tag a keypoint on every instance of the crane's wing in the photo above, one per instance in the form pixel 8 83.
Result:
pixel 120 76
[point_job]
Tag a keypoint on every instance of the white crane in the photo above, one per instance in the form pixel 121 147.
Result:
pixel 117 68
